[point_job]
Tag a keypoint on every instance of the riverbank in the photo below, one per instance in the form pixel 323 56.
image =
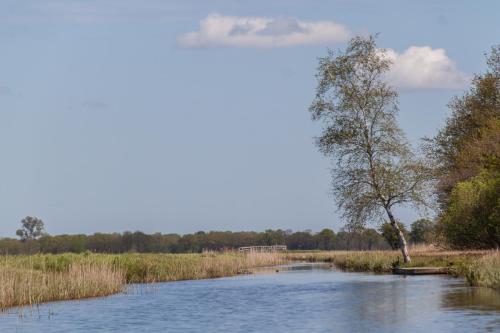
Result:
pixel 479 268
pixel 299 298
pixel 29 280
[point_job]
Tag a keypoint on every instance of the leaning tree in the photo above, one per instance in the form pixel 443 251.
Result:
pixel 374 167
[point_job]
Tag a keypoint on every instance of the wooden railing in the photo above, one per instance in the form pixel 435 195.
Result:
pixel 271 248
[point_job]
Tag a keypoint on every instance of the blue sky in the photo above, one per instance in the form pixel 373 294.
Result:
pixel 178 116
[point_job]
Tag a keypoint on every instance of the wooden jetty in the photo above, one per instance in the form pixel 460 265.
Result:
pixel 271 248
pixel 420 270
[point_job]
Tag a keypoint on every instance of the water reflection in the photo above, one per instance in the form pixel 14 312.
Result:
pixel 465 298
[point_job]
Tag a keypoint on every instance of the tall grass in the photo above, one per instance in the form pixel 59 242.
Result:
pixel 28 280
pixel 485 271
pixel 28 286
pixel 480 268
pixel 173 267
pixel 358 261
pixel 384 261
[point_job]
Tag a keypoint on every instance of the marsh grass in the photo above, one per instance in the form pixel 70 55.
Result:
pixel 174 267
pixel 480 268
pixel 29 280
pixel 485 271
pixel 28 286
pixel 356 261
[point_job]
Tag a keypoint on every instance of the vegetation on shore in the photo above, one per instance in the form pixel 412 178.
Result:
pixel 28 280
pixel 375 169
pixel 466 155
pixel 479 268
pixel 24 281
pixel 484 272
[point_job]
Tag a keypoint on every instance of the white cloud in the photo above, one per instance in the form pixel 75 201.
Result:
pixel 421 67
pixel 239 31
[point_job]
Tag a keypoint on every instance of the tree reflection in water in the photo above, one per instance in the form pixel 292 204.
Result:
pixel 463 298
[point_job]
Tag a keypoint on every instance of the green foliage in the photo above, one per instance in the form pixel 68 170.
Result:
pixel 467 152
pixel 31 228
pixel 375 168
pixel 471 136
pixel 273 237
pixel 302 240
pixel 364 239
pixel 326 239
pixel 484 272
pixel 390 234
pixel 422 231
pixel 472 219
pixel 138 242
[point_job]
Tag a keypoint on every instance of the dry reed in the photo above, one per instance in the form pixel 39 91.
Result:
pixel 28 280
pixel 27 286
pixel 480 268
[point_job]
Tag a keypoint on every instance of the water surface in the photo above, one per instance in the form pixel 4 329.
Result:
pixel 303 298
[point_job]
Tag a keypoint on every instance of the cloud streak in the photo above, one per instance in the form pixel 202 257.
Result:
pixel 422 67
pixel 262 32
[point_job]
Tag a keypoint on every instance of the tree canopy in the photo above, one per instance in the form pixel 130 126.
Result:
pixel 326 239
pixel 374 168
pixel 467 154
pixel 31 228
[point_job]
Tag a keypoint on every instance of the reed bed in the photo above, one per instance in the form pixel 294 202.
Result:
pixel 485 271
pixel 480 268
pixel 28 286
pixel 174 267
pixel 356 261
pixel 29 280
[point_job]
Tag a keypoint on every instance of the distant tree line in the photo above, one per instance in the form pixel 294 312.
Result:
pixel 39 241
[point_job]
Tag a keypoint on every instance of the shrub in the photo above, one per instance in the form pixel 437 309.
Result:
pixel 472 219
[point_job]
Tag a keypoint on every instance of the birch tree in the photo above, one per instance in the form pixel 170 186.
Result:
pixel 374 168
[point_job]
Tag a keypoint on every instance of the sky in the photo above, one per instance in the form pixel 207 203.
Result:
pixel 179 116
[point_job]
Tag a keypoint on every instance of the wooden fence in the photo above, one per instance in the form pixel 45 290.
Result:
pixel 271 248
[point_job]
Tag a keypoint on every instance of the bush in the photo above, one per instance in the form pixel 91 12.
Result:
pixel 472 219
pixel 422 231
pixel 390 234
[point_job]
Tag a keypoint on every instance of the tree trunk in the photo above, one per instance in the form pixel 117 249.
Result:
pixel 401 238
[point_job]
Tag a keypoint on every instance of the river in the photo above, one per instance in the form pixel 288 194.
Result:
pixel 303 298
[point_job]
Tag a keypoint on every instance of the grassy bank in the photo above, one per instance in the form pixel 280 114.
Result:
pixel 25 285
pixel 485 271
pixel 480 268
pixel 28 280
